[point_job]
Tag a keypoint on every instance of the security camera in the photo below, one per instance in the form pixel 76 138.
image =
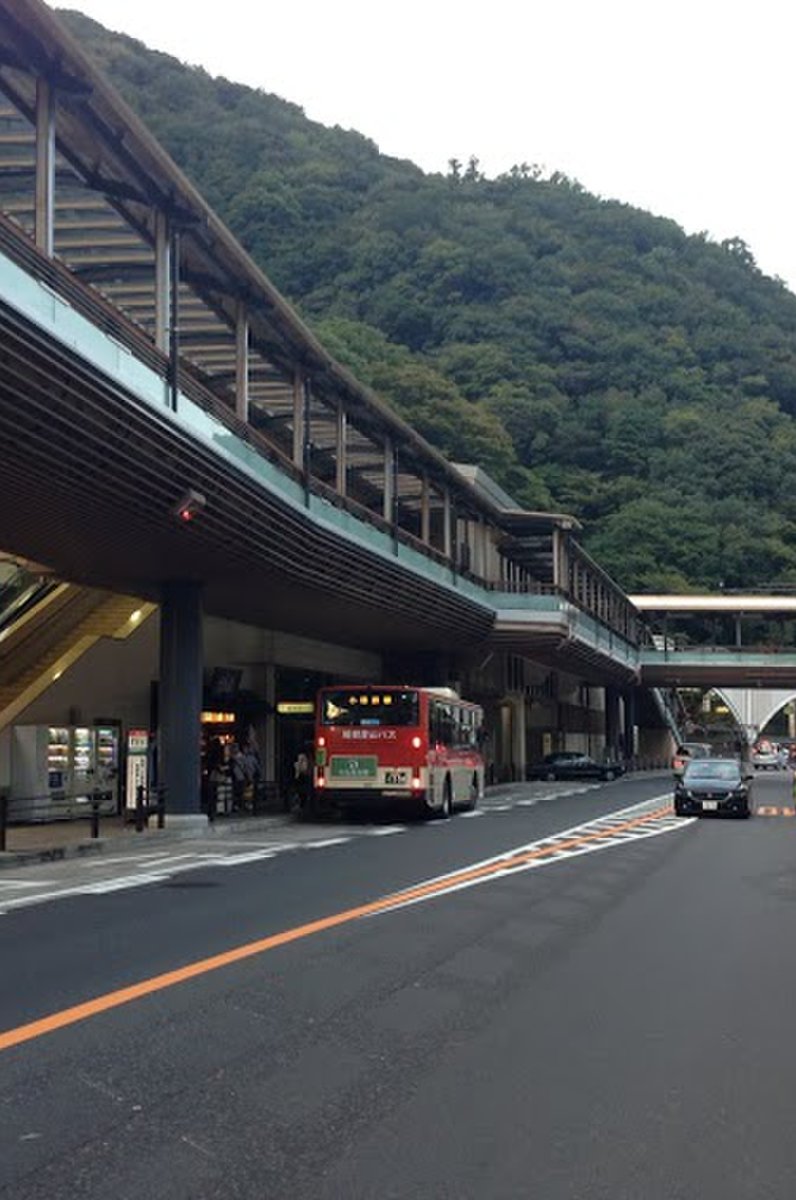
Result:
pixel 189 506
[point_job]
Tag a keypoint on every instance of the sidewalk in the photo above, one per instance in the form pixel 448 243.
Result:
pixel 60 840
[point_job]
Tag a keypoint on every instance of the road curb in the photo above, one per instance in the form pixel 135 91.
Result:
pixel 14 859
pixel 11 859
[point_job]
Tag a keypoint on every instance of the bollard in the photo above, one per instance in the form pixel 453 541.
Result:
pixel 161 806
pixel 140 817
pixel 211 803
pixel 95 815
pixel 3 819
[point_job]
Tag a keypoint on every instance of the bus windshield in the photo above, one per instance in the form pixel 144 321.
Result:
pixel 384 707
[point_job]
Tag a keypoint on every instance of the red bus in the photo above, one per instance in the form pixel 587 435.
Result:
pixel 375 744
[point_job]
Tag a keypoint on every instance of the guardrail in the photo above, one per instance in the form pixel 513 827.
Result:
pixel 96 806
pixel 149 802
pixel 17 811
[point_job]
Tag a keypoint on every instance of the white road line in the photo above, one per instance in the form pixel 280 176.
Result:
pixel 20 883
pixel 547 858
pixel 387 830
pixel 237 860
pixel 162 859
pixel 134 855
pixel 338 841
pixel 121 884
pixel 476 812
pixel 619 815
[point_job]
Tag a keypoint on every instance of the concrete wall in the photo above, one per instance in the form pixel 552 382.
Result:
pixel 532 710
pixel 112 681
pixel 113 678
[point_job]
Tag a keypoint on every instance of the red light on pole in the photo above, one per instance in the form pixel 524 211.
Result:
pixel 189 506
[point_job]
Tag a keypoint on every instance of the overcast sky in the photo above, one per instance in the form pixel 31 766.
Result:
pixel 684 107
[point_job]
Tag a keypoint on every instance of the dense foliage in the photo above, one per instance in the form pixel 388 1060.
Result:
pixel 592 357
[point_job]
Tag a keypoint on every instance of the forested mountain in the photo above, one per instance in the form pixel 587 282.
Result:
pixel 592 357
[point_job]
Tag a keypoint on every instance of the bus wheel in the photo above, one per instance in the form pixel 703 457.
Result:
pixel 444 809
pixel 472 795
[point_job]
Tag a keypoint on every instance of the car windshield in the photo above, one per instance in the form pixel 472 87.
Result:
pixel 707 769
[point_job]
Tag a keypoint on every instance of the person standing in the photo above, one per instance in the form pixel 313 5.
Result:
pixel 237 766
pixel 302 783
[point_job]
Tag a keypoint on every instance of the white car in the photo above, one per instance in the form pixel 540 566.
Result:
pixel 766 760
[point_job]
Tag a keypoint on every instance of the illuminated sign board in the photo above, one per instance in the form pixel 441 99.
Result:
pixel 292 708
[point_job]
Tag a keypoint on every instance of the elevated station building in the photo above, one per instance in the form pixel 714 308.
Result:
pixel 218 515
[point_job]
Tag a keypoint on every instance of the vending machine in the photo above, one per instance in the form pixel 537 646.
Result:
pixel 83 758
pixel 55 770
pixel 108 749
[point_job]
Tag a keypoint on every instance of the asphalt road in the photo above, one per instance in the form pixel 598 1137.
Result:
pixel 596 1003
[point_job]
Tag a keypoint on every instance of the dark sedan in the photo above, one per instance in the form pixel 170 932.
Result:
pixel 713 785
pixel 569 764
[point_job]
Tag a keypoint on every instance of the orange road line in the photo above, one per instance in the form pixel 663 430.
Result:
pixel 158 983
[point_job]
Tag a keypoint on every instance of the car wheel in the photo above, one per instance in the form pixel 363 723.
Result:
pixel 447 801
pixel 550 776
pixel 608 776
pixel 472 795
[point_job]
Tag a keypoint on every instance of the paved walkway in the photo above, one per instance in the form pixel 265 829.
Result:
pixel 67 839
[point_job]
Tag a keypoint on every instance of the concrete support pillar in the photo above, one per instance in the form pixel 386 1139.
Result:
pixel 480 557
pixel 269 756
pixel 180 699
pixel 341 451
pixel 494 558
pixel 447 539
pixel 388 490
pixel 45 166
pixel 613 737
pixel 174 318
pixel 558 581
pixel 425 511
pixel 629 732
pixel 298 419
pixel 518 736
pixel 242 363
pixel 162 281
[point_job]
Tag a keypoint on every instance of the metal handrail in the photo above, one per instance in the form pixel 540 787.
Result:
pixel 92 811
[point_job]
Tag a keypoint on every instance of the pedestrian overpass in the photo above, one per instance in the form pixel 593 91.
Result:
pixel 730 652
